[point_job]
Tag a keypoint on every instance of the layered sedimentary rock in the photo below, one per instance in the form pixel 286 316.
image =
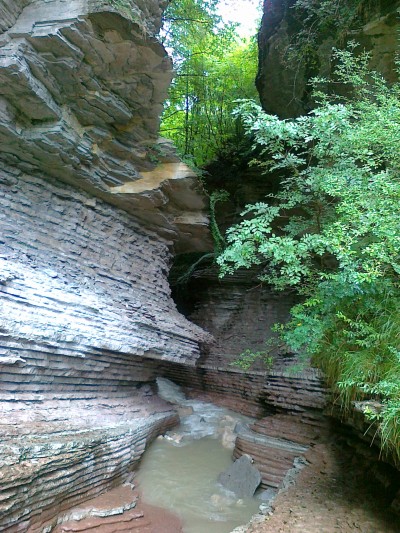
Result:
pixel 283 85
pixel 119 510
pixel 92 204
pixel 59 452
pixel 239 312
pixel 85 277
pixel 274 443
pixel 291 403
pixel 81 91
pixel 9 12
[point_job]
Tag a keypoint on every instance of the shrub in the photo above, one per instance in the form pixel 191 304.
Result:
pixel 333 231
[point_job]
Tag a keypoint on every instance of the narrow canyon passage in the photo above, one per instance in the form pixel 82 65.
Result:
pixel 100 221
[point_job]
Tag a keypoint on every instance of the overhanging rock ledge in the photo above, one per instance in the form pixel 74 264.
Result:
pixel 92 206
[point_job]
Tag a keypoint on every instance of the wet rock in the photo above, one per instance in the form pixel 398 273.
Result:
pixel 242 477
pixel 265 508
pixel 267 495
pixel 175 438
pixel 239 315
pixel 228 438
pixel 88 221
pixel 221 501
pixel 185 410
pixel 227 432
pixel 273 455
pixel 119 509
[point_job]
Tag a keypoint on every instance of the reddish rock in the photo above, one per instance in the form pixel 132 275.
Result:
pixel 119 510
pixel 332 494
pixel 88 223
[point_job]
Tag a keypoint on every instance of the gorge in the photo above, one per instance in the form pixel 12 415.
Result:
pixel 94 210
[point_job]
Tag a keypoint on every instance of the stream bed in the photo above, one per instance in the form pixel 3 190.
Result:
pixel 179 471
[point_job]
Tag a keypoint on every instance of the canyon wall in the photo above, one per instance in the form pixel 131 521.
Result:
pixel 240 311
pixel 283 83
pixel 289 403
pixel 93 205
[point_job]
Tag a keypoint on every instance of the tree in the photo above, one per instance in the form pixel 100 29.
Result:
pixel 213 69
pixel 333 231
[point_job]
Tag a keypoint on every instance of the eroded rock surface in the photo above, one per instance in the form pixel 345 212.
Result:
pixel 82 276
pixel 119 510
pixel 58 452
pixel 81 91
pixel 91 206
pixel 239 312
pixel 283 86
pixel 242 477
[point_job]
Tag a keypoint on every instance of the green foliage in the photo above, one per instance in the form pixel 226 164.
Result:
pixel 356 341
pixel 213 68
pixel 218 238
pixel 333 231
pixel 247 358
pixel 327 15
pixel 320 18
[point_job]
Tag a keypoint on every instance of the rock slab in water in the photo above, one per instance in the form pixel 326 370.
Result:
pixel 242 477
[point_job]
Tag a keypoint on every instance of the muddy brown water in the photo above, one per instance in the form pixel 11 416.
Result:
pixel 180 472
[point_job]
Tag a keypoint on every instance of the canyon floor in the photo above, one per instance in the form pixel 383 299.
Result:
pixel 330 495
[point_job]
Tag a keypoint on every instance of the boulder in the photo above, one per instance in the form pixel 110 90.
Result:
pixel 242 477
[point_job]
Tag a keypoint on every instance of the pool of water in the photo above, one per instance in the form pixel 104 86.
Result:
pixel 180 472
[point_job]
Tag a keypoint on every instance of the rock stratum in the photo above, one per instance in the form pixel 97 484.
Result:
pixel 81 91
pixel 92 206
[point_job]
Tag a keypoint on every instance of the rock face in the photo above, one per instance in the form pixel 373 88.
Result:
pixel 238 310
pixel 92 204
pixel 334 492
pixel 241 477
pixel 57 452
pixel 9 12
pixel 118 510
pixel 81 91
pixel 84 277
pixel 239 313
pixel 283 87
pixel 276 443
